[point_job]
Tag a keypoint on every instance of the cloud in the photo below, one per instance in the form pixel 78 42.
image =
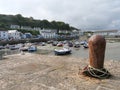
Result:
pixel 84 14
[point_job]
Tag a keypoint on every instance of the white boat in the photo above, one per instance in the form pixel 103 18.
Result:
pixel 77 44
pixel 85 45
pixel 63 51
pixel 13 47
pixel 32 48
pixel 83 42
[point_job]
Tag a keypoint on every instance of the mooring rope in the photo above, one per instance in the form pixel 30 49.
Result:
pixel 103 73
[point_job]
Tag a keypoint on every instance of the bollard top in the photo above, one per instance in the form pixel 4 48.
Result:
pixel 97 38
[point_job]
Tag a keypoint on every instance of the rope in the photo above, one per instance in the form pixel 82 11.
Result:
pixel 101 73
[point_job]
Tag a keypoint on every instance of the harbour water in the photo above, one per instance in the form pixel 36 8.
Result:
pixel 112 52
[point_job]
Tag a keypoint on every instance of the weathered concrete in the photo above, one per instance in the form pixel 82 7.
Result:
pixel 44 72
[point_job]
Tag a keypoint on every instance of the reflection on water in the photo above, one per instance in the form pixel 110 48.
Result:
pixel 112 52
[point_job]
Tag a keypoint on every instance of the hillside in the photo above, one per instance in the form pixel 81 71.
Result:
pixel 7 20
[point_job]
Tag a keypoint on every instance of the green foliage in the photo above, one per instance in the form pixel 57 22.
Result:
pixel 7 20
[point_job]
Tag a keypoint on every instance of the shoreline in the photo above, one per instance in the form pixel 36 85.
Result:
pixel 48 72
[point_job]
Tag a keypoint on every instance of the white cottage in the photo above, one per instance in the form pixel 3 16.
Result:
pixel 47 33
pixel 14 26
pixel 14 34
pixel 75 32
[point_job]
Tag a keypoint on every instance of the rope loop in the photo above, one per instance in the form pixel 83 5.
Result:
pixel 97 73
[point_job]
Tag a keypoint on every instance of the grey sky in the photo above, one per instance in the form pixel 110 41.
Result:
pixel 83 14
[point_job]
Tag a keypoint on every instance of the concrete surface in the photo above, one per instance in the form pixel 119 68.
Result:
pixel 49 72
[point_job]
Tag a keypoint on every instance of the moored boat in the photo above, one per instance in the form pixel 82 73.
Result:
pixel 60 44
pixel 25 48
pixel 54 43
pixel 85 45
pixel 70 44
pixel 32 48
pixel 63 51
pixel 77 44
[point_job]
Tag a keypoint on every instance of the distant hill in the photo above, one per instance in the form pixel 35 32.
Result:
pixel 7 20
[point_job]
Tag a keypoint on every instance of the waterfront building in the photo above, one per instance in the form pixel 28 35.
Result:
pixel 26 28
pixel 14 34
pixel 14 26
pixel 48 33
pixel 65 31
pixel 106 33
pixel 76 33
pixel 37 28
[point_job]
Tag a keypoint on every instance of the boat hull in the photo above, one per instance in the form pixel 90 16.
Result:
pixel 63 52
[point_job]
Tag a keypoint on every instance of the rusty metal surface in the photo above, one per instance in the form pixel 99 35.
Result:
pixel 97 45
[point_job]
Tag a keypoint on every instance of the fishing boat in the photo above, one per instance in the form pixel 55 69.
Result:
pixel 85 45
pixel 13 47
pixel 77 44
pixel 63 51
pixel 54 43
pixel 25 48
pixel 70 44
pixel 83 42
pixel 43 44
pixel 32 48
pixel 60 44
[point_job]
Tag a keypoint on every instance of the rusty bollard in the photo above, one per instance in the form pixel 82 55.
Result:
pixel 97 45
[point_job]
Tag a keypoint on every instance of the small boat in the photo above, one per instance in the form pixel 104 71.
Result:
pixel 49 42
pixel 43 43
pixel 13 47
pixel 63 51
pixel 83 42
pixel 85 45
pixel 54 43
pixel 77 45
pixel 25 48
pixel 32 48
pixel 60 44
pixel 70 44
pixel 2 47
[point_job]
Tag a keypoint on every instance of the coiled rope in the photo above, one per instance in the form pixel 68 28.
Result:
pixel 97 73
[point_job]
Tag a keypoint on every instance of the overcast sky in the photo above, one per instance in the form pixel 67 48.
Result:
pixel 82 14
